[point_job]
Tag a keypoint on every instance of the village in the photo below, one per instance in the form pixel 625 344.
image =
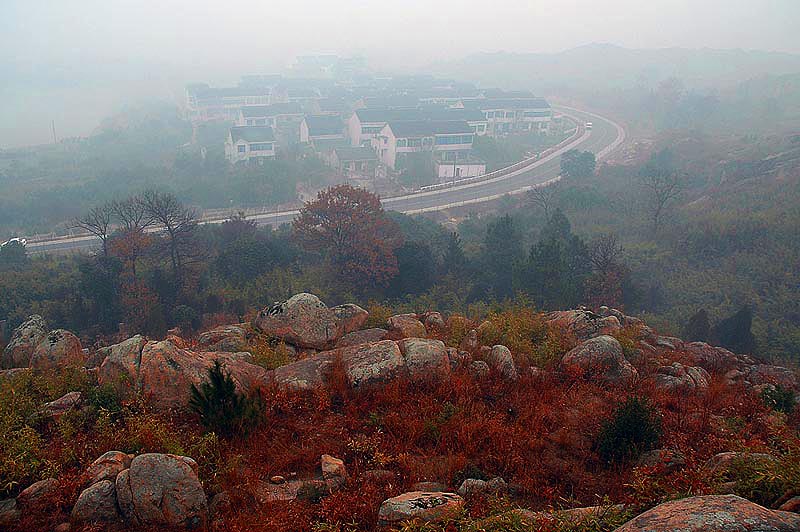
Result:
pixel 368 129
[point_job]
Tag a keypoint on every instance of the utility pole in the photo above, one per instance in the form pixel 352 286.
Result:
pixel 53 125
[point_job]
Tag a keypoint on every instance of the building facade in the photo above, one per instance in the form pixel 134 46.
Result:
pixel 250 144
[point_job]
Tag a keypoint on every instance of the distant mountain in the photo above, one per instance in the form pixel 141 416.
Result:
pixel 605 66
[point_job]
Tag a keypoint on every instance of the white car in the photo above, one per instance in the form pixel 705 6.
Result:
pixel 22 241
pixel 588 125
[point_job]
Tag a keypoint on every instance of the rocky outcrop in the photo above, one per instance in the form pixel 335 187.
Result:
pixel 65 403
pixel 58 349
pixel 351 317
pixel 599 358
pixel 23 343
pixel 107 467
pixel 230 338
pixel 582 323
pixel 425 359
pixel 665 460
pixel 97 503
pixel 162 489
pixel 760 374
pixel 164 373
pixel 405 326
pixel 365 336
pixel 715 359
pixel 720 513
pixel 305 374
pixel 680 377
pixel 427 507
pixel 501 360
pixel 302 320
pixel 369 364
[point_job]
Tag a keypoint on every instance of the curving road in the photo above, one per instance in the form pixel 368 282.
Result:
pixel 602 139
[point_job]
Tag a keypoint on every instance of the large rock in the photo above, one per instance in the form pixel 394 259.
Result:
pixel 425 360
pixel 97 503
pixel 23 343
pixel 720 513
pixel 420 506
pixel 373 363
pixel 582 323
pixel 62 405
pixel 599 358
pixel 501 360
pixel 362 337
pixel 162 489
pixel 164 373
pixel 38 492
pixel 680 377
pixel 351 317
pixel 715 359
pixel 120 366
pixel 305 374
pixel 405 326
pixel 107 467
pixel 230 338
pixel 768 374
pixel 302 320
pixel 58 349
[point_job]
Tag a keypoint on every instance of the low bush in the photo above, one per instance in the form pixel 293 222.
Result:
pixel 220 407
pixel 634 427
pixel 779 399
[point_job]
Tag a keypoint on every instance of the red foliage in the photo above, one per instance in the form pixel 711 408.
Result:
pixel 349 226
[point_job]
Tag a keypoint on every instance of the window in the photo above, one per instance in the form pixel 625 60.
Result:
pixel 401 143
pixel 509 114
pixel 482 128
pixel 242 148
pixel 261 146
pixel 427 141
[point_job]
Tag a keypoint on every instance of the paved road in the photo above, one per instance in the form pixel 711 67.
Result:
pixel 601 140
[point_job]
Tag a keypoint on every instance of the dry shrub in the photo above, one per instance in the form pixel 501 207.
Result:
pixel 519 328
pixel 378 314
pixel 268 352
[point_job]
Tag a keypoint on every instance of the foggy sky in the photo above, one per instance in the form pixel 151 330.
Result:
pixel 151 47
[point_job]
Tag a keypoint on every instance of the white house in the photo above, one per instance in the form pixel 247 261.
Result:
pixel 204 103
pixel 449 140
pixel 365 124
pixel 250 144
pixel 276 115
pixel 321 127
pixel 355 162
pixel 513 115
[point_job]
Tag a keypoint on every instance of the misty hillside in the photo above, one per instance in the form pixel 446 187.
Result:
pixel 605 66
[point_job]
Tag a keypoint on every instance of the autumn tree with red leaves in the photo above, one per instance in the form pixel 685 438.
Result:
pixel 349 227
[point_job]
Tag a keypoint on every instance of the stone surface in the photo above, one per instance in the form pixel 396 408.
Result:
pixel 667 460
pixel 425 360
pixel 792 505
pixel 373 363
pixel 715 359
pixel 332 467
pixel 38 492
pixel 120 366
pixel 162 489
pixel 760 374
pixel 365 336
pixel 163 373
pixel 428 485
pixel 405 326
pixel 599 358
pixel 230 338
pixel 478 369
pixel 305 374
pixel 302 320
pixel 434 322
pixel 501 360
pixel 471 486
pixel 582 323
pixel 58 349
pixel 722 463
pixel 718 513
pixel 23 342
pixel 65 403
pixel 9 512
pixel 428 507
pixel 107 467
pixel 351 317
pixel 97 503
pixel 470 342
pixel 680 377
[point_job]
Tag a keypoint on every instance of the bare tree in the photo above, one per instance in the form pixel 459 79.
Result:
pixel 545 196
pixel 132 213
pixel 605 253
pixel 97 222
pixel 178 223
pixel 661 190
